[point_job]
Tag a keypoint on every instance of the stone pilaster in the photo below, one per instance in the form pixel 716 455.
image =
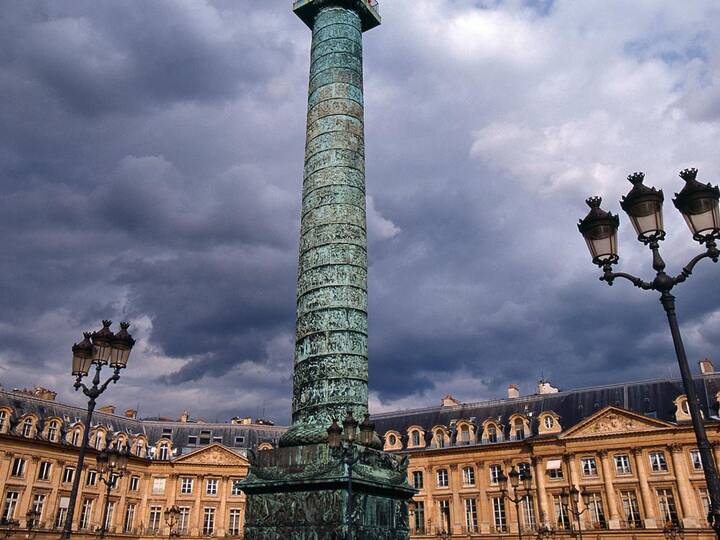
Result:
pixel 648 501
pixel 687 496
pixel 542 499
pixel 610 495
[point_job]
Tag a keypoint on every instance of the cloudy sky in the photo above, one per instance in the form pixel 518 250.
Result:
pixel 151 164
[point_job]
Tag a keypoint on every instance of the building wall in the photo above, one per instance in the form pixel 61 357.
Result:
pixel 611 435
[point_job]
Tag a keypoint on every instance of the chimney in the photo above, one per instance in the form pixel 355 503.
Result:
pixel 706 366
pixel 449 401
pixel 544 387
pixel 130 413
pixel 107 409
pixel 185 416
pixel 513 391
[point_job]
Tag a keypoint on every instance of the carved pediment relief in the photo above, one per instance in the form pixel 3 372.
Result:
pixel 213 455
pixel 612 420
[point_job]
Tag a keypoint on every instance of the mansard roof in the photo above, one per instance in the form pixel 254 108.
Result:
pixel 652 398
pixel 227 434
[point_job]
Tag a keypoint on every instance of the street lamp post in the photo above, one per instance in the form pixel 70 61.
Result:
pixel 341 442
pixel 574 497
pixel 515 478
pixel 31 521
pixel 112 465
pixel 698 204
pixel 673 531
pixel 97 349
pixel 171 520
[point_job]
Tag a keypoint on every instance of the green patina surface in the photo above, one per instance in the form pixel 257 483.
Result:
pixel 330 374
pixel 300 490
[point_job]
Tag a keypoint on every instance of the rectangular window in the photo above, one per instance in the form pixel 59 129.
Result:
pixel 527 510
pixel 211 486
pixel 62 511
pixel 3 419
pixel 110 513
pixel 499 518
pixel 471 518
pixel 129 517
pixel 91 479
pixel 236 488
pixel 658 463
pixel 209 521
pixel 11 500
pixel 86 514
pixel 705 501
pixel 154 522
pixel 183 519
pixel 52 432
pixel 44 470
pixel 419 517
pixel 589 466
pixel 495 472
pixel 468 476
pixel 594 505
pixel 158 485
pixel 622 464
pixel 666 502
pixel 38 505
pixel 442 478
pixel 186 486
pixel 444 509
pixel 134 483
pixel 68 475
pixel 239 440
pixel 217 440
pixel 234 527
pixel 562 519
pixel 554 468
pixel 192 439
pixel 418 479
pixel 631 509
pixel 163 454
pixel 696 460
pixel 18 467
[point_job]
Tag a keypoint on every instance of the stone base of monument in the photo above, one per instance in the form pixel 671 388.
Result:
pixel 301 493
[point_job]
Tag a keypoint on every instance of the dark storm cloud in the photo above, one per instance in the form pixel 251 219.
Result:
pixel 151 162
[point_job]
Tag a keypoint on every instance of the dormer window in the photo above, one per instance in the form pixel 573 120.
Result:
pixel 27 427
pixel 163 452
pixel 549 422
pixel 3 419
pixel 519 429
pixel 75 438
pixel 392 440
pixel 464 434
pixel 492 434
pixel 52 431
pixel 415 438
pixel 439 439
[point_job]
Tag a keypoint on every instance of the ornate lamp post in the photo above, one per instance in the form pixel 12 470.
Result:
pixel 515 478
pixel 112 465
pixel 171 520
pixel 342 444
pixel 98 349
pixel 574 497
pixel 545 531
pixel 698 204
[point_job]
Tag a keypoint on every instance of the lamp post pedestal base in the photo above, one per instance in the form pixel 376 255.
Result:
pixel 300 493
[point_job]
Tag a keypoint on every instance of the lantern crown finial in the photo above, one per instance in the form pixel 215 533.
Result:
pixel 593 202
pixel 636 178
pixel 689 174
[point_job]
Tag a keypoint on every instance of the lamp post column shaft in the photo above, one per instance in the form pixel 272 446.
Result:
pixel 516 500
pixel 67 531
pixel 708 461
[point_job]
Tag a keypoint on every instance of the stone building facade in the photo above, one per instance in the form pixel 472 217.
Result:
pixel 629 447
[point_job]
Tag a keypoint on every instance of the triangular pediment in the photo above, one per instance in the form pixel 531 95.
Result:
pixel 613 420
pixel 215 454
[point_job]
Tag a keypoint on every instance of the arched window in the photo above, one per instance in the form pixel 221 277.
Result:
pixel 492 433
pixel 75 441
pixel 549 422
pixel 416 438
pixel 440 439
pixel 464 434
pixel 139 447
pixel 52 431
pixel 685 407
pixel 99 436
pixel 519 429
pixel 3 420
pixel 163 453
pixel 392 440
pixel 27 427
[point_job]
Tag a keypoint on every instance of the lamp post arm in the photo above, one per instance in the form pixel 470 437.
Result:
pixel 711 253
pixel 609 276
pixel 115 377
